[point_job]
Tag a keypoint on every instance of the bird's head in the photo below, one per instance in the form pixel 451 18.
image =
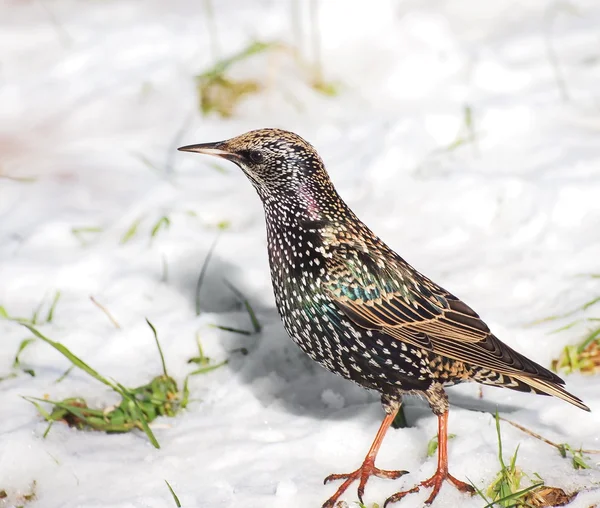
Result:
pixel 277 162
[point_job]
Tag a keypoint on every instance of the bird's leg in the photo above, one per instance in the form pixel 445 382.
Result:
pixel 367 468
pixel 441 473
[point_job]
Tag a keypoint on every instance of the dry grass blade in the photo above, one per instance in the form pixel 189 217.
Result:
pixel 106 312
pixel 577 458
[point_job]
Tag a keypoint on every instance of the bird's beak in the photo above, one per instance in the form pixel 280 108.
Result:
pixel 218 149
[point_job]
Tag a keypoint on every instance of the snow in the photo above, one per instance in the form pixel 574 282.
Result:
pixel 508 223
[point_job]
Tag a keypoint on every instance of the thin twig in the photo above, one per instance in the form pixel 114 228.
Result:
pixel 105 310
pixel 541 438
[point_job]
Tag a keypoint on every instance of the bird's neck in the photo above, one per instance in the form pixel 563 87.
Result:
pixel 308 203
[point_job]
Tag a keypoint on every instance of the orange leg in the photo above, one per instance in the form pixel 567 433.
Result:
pixel 442 469
pixel 367 469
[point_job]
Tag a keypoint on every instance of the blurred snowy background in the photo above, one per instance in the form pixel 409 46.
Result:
pixel 465 133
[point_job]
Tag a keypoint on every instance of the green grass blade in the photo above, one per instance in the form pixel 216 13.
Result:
pixel 131 232
pixel 591 337
pixel 208 368
pixel 185 396
pixel 203 272
pixel 75 360
pixel 175 498
pixel 230 329
pixel 64 375
pixel 514 495
pixel 36 402
pixel 163 223
pixel 479 491
pixel 50 315
pixel 591 303
pixel 36 313
pixel 162 357
pixel 499 441
pixel 253 319
pixel 24 343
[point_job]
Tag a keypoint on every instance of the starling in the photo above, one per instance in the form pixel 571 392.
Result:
pixel 360 310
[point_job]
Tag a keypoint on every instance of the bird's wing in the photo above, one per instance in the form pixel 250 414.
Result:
pixel 380 291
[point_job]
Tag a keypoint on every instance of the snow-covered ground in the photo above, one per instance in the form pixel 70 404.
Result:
pixel 94 93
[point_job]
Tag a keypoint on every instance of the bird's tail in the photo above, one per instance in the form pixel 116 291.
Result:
pixel 544 387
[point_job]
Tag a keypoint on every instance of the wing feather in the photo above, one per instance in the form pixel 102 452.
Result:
pixel 404 304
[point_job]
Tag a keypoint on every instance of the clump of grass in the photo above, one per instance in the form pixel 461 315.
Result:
pixel 139 406
pixel 22 499
pixel 584 356
pixel 221 94
pixel 577 457
pixel 505 490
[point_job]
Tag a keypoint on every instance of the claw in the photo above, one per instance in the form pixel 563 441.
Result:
pixel 441 472
pixel 367 469
pixel 362 474
pixel 436 482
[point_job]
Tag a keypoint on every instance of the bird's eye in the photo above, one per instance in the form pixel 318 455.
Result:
pixel 255 156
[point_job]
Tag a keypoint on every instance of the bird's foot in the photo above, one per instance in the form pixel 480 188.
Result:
pixel 436 482
pixel 362 474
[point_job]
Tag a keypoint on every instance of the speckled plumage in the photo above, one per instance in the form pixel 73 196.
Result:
pixel 354 305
